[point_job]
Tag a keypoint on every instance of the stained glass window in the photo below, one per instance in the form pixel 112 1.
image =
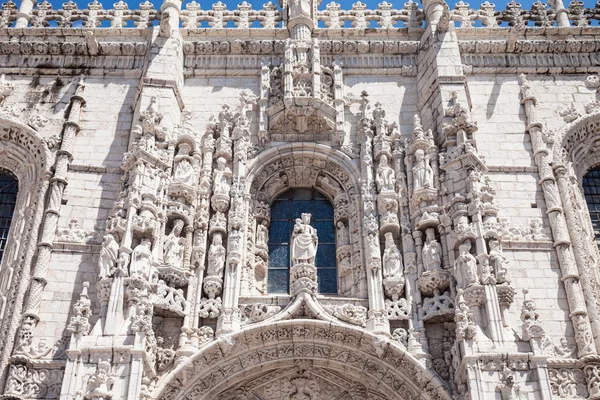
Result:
pixel 9 187
pixel 284 211
pixel 591 189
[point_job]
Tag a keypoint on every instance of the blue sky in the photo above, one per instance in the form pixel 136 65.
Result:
pixel 346 4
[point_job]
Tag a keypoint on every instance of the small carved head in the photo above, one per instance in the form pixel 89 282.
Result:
pixel 184 149
pixel 389 239
pixel 465 247
pixel 306 218
pixel 494 244
pixel 177 226
pixel 218 239
pixel 419 155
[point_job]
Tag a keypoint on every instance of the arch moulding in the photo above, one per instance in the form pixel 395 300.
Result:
pixel 282 167
pixel 579 143
pixel 231 366
pixel 24 153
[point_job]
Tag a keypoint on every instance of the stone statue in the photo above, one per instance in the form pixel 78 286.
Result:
pixel 392 259
pixel 400 336
pixel 422 171
pixel 262 234
pixel 330 185
pixel 108 256
pixel 222 178
pixel 304 241
pixel 373 249
pixel 173 251
pixel 432 251
pixel 342 234
pixel 465 267
pixel 141 260
pixel 216 256
pixel 386 177
pixel 497 261
pixel 184 171
pixel 275 184
pixel 99 386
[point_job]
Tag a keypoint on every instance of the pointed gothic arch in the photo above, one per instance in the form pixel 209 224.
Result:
pixel 575 150
pixel 24 153
pixel 236 366
pixel 578 143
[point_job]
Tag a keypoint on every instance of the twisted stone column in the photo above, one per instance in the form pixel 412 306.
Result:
pixel 578 311
pixel 58 184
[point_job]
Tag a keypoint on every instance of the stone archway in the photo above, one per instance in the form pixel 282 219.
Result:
pixel 578 143
pixel 302 166
pixel 331 172
pixel 309 357
pixel 576 149
pixel 24 153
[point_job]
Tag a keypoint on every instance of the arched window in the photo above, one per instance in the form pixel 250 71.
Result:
pixel 9 187
pixel 591 189
pixel 284 211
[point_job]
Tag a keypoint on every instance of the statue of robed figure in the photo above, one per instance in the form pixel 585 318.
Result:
pixel 304 241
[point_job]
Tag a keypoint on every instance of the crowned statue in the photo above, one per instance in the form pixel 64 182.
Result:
pixel 304 241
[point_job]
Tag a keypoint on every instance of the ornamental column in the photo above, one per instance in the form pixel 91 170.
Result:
pixel 58 184
pixel 24 14
pixel 562 243
pixel 376 317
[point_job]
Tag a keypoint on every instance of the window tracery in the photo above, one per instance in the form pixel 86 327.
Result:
pixel 9 186
pixel 285 209
pixel 591 190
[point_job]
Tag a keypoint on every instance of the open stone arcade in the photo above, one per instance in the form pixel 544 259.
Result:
pixel 299 201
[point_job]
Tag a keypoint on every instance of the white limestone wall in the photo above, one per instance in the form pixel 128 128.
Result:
pixel 502 140
pixel 205 96
pixel 94 179
pixel 398 94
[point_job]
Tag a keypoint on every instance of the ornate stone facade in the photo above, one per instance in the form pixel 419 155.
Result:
pixel 151 144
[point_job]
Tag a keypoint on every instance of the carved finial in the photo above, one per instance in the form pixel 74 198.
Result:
pixel 82 310
pixel 153 106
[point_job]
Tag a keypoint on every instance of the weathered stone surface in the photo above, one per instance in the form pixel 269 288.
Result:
pixel 149 145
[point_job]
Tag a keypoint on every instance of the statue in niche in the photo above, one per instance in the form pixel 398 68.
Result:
pixel 141 260
pixel 465 267
pixel 216 256
pixel 304 241
pixel 222 178
pixel 173 252
pixel 497 261
pixel 422 171
pixel 342 234
pixel 345 265
pixel 373 251
pixel 386 177
pixel 139 175
pixel 262 234
pixel 184 170
pixel 392 259
pixel 108 256
pixel 432 252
